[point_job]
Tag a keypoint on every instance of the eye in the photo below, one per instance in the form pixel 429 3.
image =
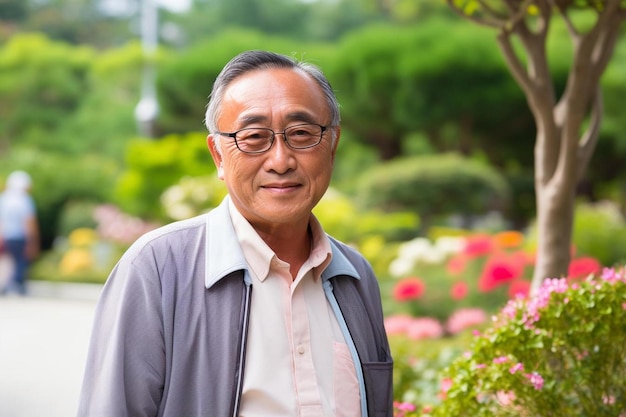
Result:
pixel 302 130
pixel 254 134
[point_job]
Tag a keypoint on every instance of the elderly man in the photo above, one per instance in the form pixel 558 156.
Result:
pixel 251 309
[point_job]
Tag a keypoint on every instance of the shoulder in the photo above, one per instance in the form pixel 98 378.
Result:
pixel 174 235
pixel 352 254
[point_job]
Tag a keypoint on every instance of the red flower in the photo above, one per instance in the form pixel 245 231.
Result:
pixel 499 269
pixel 519 287
pixel 583 267
pixel 408 289
pixel 478 245
pixel 459 290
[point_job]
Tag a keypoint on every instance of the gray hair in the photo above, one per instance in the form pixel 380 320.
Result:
pixel 253 60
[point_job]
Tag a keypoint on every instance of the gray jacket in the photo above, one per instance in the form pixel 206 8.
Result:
pixel 169 335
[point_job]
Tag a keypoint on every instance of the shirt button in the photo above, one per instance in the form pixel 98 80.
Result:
pixel 300 349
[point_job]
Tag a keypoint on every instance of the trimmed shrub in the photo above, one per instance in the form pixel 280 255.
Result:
pixel 434 185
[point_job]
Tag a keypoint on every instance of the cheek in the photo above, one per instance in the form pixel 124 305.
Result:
pixel 237 171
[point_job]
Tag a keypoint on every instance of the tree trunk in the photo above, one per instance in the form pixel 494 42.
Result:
pixel 555 218
pixel 563 147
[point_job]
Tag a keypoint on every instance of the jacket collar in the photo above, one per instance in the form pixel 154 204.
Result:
pixel 224 255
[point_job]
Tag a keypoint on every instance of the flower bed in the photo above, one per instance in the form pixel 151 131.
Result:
pixel 561 352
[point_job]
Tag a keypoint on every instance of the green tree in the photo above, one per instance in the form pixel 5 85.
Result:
pixel 455 89
pixel 42 83
pixel 568 125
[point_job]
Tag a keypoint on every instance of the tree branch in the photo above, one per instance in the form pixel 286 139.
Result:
pixel 590 138
pixel 568 22
pixel 513 61
pixel 492 11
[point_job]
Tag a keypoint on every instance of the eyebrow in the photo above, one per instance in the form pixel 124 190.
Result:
pixel 304 117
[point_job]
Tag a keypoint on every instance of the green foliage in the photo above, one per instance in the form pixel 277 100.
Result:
pixel 153 166
pixel 104 122
pixel 371 231
pixel 76 214
pixel 418 364
pixel 433 186
pixel 600 231
pixel 42 83
pixel 395 80
pixel 561 352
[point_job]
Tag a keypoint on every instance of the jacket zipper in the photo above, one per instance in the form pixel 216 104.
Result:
pixel 244 340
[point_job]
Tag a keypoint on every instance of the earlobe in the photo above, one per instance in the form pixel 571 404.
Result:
pixel 216 155
pixel 336 142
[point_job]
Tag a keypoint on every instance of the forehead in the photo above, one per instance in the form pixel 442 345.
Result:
pixel 267 93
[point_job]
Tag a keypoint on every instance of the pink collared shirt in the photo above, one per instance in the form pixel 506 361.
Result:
pixel 297 361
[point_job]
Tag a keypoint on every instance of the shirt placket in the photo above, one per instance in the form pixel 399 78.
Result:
pixel 307 390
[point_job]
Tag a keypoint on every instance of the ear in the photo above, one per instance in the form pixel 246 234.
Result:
pixel 216 155
pixel 337 136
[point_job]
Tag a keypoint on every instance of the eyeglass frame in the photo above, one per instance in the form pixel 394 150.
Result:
pixel 273 137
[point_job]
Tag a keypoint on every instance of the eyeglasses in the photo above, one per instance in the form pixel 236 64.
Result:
pixel 260 139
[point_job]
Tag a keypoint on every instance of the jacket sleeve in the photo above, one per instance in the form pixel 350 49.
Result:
pixel 125 366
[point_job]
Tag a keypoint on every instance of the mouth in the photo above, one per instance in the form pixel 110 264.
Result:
pixel 281 186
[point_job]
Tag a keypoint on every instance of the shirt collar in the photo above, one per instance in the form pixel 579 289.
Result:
pixel 224 253
pixel 260 257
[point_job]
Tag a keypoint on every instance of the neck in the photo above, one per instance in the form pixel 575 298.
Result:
pixel 292 245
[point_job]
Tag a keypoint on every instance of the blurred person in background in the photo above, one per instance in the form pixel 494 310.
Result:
pixel 19 231
pixel 252 309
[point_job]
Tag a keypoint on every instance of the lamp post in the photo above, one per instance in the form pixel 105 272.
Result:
pixel 147 109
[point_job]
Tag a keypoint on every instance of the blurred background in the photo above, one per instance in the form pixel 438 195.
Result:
pixel 102 102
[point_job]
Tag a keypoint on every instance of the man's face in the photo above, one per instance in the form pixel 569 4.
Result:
pixel 281 186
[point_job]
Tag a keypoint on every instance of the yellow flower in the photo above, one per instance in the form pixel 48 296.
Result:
pixel 76 260
pixel 82 237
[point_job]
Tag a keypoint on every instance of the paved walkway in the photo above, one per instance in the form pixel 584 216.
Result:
pixel 43 345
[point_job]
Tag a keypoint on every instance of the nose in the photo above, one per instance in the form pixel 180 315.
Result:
pixel 280 157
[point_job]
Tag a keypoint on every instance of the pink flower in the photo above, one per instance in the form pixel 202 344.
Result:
pixel 541 299
pixel 457 264
pixel 500 359
pixel 517 367
pixel 424 328
pixel 408 289
pixel 397 324
pixel 536 380
pixel 401 408
pixel 505 397
pixel 459 290
pixel 608 399
pixel 612 275
pixel 465 318
pixel 446 384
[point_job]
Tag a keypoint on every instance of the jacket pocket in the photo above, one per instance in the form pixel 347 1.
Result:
pixel 379 388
